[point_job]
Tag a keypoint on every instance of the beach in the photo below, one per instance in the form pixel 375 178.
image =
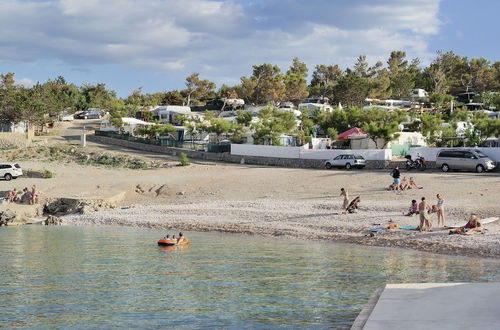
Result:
pixel 282 202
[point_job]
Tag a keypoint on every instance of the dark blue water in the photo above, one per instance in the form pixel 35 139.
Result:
pixel 73 277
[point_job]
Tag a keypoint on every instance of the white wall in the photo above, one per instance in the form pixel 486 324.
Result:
pixel 431 153
pixel 265 151
pixel 368 154
pixel 300 152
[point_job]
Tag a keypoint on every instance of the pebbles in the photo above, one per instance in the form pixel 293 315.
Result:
pixel 309 220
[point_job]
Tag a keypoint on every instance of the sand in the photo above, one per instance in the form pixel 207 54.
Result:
pixel 298 203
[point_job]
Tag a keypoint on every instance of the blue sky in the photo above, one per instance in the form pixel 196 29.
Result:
pixel 155 44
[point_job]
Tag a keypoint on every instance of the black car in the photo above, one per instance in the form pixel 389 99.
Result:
pixel 91 114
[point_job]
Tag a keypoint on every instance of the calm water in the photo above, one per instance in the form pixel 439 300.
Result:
pixel 60 277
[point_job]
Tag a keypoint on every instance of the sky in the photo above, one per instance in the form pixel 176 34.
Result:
pixel 156 44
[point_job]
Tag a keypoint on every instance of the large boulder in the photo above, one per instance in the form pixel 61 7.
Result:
pixel 6 217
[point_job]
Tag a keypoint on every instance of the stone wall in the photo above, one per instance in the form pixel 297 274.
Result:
pixel 226 157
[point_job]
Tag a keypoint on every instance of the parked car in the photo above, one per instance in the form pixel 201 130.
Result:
pixel 66 116
pixel 464 159
pixel 347 161
pixel 91 114
pixel 10 171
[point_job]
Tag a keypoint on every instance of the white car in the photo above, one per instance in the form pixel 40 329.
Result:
pixel 10 171
pixel 347 161
pixel 65 116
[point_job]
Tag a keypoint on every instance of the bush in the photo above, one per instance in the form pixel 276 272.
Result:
pixel 46 174
pixel 184 160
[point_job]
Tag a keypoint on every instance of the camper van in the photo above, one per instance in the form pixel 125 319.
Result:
pixel 167 113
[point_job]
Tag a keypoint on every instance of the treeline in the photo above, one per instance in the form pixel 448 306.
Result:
pixel 448 74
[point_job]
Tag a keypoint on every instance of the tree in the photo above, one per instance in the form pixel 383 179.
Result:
pixel 324 79
pixel 296 82
pixel 431 127
pixel 197 88
pixel 361 67
pixel 171 98
pixel 351 90
pixel 305 127
pixel 397 62
pixel 385 131
pixel 265 85
pixel 441 101
pixel 219 126
pixel 272 124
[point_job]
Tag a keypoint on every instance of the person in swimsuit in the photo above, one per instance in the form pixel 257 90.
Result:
pixel 413 184
pixel 425 217
pixel 471 227
pixel 404 184
pixel 345 205
pixel 440 209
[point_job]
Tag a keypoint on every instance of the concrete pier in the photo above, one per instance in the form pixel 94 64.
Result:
pixel 433 306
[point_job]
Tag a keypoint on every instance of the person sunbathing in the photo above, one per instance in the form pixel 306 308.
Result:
pixel 12 195
pixel 471 227
pixel 404 184
pixel 413 184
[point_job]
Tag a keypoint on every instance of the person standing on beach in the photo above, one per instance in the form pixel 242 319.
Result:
pixel 396 177
pixel 425 221
pixel 440 209
pixel 345 205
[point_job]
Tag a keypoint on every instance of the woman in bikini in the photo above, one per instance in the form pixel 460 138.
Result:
pixel 440 209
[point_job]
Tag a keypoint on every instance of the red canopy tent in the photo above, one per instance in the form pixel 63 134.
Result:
pixel 344 136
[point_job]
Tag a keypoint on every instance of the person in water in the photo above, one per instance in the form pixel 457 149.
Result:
pixel 180 239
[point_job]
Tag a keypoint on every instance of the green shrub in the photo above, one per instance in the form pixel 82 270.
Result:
pixel 184 160
pixel 47 174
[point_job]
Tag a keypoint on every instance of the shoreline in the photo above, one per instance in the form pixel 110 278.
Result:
pixel 297 220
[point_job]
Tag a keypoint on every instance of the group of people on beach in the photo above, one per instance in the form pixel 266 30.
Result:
pixel 28 196
pixel 402 184
pixel 425 210
pixel 349 207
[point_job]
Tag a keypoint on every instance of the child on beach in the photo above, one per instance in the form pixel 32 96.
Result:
pixel 414 209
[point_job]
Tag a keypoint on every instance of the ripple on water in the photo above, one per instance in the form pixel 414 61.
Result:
pixel 116 277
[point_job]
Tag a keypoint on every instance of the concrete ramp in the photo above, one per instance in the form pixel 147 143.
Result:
pixel 434 306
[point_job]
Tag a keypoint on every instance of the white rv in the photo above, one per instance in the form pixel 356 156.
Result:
pixel 167 113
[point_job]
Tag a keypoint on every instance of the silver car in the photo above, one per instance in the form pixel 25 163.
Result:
pixel 464 159
pixel 346 161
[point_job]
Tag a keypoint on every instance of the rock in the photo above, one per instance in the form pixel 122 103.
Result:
pixel 181 193
pixel 52 221
pixel 163 190
pixel 6 217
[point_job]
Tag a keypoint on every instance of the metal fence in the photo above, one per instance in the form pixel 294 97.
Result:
pixel 210 147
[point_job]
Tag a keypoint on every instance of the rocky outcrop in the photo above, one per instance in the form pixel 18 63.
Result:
pixel 52 221
pixel 7 217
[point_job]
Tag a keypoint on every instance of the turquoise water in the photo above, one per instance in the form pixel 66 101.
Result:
pixel 74 277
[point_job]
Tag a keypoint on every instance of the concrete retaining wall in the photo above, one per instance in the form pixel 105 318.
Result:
pixel 226 157
pixel 305 153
